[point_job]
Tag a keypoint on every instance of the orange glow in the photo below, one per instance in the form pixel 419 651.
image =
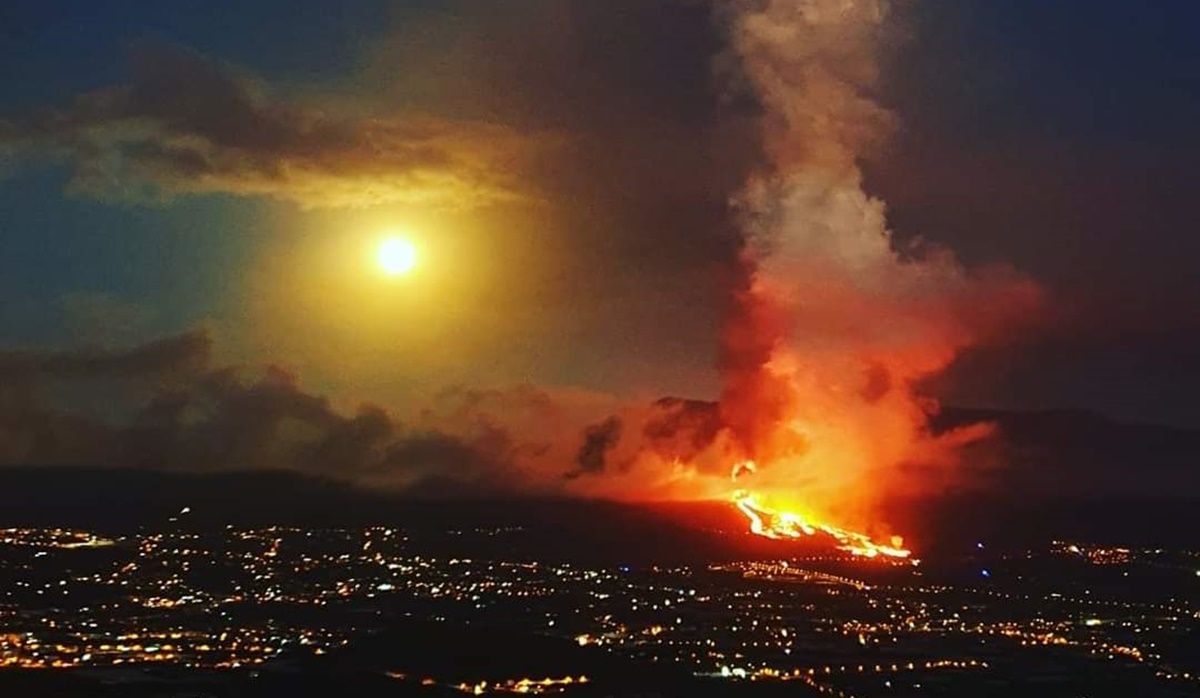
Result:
pixel 778 524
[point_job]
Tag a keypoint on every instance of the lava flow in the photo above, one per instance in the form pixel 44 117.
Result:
pixel 771 523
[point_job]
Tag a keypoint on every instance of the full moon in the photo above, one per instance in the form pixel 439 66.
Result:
pixel 396 256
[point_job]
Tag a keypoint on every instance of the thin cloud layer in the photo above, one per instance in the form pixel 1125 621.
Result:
pixel 187 125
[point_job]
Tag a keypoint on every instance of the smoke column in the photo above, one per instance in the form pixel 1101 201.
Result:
pixel 834 324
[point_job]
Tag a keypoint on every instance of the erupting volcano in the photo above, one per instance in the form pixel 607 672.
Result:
pixel 837 319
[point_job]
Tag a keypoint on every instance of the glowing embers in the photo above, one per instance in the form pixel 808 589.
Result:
pixel 771 523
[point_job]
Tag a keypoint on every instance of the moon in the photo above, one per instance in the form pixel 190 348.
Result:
pixel 396 256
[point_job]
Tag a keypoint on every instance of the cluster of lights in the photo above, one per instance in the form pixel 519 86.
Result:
pixel 738 621
pixel 524 685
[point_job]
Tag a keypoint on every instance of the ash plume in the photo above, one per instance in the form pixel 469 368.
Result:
pixel 837 319
pixel 833 322
pixel 598 440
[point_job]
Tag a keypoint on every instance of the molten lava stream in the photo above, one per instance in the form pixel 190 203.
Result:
pixel 771 523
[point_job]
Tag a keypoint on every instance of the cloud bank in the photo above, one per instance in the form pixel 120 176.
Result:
pixel 188 125
pixel 166 405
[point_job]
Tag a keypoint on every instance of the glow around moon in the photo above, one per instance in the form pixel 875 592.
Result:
pixel 396 256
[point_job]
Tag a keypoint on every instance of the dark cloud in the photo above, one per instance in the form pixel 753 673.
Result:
pixel 1075 163
pixel 186 352
pixel 164 405
pixel 598 440
pixel 682 429
pixel 193 416
pixel 186 124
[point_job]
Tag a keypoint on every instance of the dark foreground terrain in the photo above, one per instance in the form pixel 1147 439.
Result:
pixel 185 609
pixel 138 583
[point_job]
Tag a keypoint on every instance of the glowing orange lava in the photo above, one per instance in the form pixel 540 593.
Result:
pixel 771 523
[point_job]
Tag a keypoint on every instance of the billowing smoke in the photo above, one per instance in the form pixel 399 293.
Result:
pixel 598 440
pixel 833 323
pixel 837 319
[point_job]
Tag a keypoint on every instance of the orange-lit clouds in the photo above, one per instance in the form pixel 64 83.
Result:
pixel 834 325
pixel 831 327
pixel 168 405
pixel 188 125
pixel 829 332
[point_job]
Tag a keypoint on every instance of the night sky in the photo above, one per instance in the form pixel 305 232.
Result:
pixel 204 182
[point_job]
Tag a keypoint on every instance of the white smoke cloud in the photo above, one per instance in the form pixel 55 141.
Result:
pixel 851 321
